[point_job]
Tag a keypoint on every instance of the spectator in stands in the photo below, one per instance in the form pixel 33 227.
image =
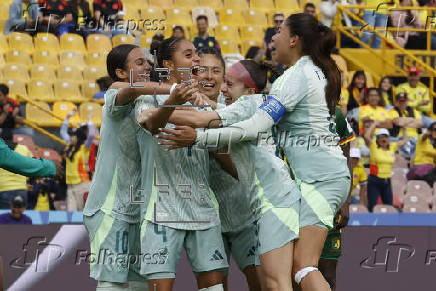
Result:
pixel 377 18
pixel 327 10
pixel 16 215
pixel 387 90
pixel 359 177
pixel 382 157
pixel 23 15
pixel 374 110
pixel 106 13
pixel 278 19
pixel 361 145
pixel 178 32
pixel 43 194
pixel 418 95
pixel 103 83
pixel 425 155
pixel 309 8
pixel 357 91
pixel 345 95
pixel 82 18
pixel 57 16
pixel 12 185
pixel 10 116
pixel 405 117
pixel 203 39
pixel 76 155
pixel 154 46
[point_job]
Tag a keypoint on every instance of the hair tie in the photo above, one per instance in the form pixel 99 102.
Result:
pixel 243 75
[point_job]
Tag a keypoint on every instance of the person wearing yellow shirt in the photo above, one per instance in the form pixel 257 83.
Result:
pixel 374 110
pixel 418 95
pixel 425 155
pixel 359 177
pixel 382 157
pixel 375 18
pixel 406 118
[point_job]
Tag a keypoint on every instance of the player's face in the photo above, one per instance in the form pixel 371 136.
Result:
pixel 373 98
pixel 185 57
pixel 233 88
pixel 282 43
pixel 138 65
pixel 212 74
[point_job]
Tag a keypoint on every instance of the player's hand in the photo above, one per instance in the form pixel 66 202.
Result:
pixel 343 215
pixel 179 137
pixel 145 116
pixel 71 113
pixel 199 99
pixel 183 93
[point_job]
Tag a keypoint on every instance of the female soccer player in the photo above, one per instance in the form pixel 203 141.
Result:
pixel 110 216
pixel 302 104
pixel 180 210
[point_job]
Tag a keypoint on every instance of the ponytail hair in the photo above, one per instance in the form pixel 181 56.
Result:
pixel 318 42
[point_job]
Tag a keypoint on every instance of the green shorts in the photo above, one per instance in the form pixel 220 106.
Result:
pixel 332 245
pixel 276 228
pixel 161 248
pixel 321 200
pixel 115 249
pixel 241 245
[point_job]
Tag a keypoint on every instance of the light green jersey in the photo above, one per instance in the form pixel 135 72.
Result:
pixel 177 192
pixel 117 173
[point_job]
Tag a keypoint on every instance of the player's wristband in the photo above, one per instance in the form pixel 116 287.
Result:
pixel 172 88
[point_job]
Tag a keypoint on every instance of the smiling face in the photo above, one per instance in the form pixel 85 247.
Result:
pixel 373 98
pixel 137 64
pixel 359 81
pixel 185 56
pixel 414 78
pixel 233 88
pixel 212 74
pixel 385 85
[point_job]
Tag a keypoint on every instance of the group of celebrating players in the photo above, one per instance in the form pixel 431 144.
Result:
pixel 173 173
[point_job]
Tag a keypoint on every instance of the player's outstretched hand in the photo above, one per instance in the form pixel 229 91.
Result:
pixel 179 137
pixel 183 92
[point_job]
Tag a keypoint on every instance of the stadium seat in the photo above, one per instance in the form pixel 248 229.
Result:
pixel 89 88
pixel 68 91
pixel 92 73
pixel 264 5
pixel 194 31
pixel 49 154
pixel 46 58
pixel 227 32
pixel 384 209
pixel 21 41
pixel 186 3
pixel 357 208
pixel 61 109
pixel 255 17
pixel 4 46
pixel 72 58
pixel 4 8
pixel 24 140
pixel 165 4
pixel 15 71
pixel 38 116
pixel 96 59
pixel 18 57
pixel 16 87
pixel 42 72
pixel 229 46
pixel 419 187
pixel 214 4
pixel 252 32
pixel 152 13
pixel 72 42
pixel 71 73
pixel 230 17
pixel 46 42
pixel 88 108
pixel 122 39
pixel 416 209
pixel 178 16
pixel 145 40
pixel 247 43
pixel 287 5
pixel 400 162
pixel 2 24
pixel 417 199
pixel 41 90
pixel 132 14
pixel 341 63
pixel 2 60
pixel 98 43
pixel 236 4
pixel 60 205
pixel 209 12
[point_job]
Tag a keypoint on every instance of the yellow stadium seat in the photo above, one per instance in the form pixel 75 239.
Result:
pixel 122 39
pixel 130 13
pixel 340 62
pixel 46 58
pixel 2 60
pixel 229 46
pixel 89 89
pixel 194 31
pixel 135 3
pixel 251 32
pixel 98 43
pixel 214 4
pixel 90 108
pixel 186 3
pixel 41 90
pixel 72 42
pixel 247 43
pixel 16 71
pixel 21 41
pixel 264 5
pixel 61 109
pixel 96 59
pixel 46 42
pixel 255 17
pixel 18 57
pixel 165 4
pixel 67 90
pixel 287 5
pixel 38 116
pixel 71 73
pixel 209 12
pixel 94 73
pixel 72 58
pixel 4 46
pixel 4 11
pixel 178 16
pixel 145 40
pixel 16 87
pixel 152 13
pixel 2 24
pixel 43 72
pixel 230 17
pixel 227 32
pixel 236 4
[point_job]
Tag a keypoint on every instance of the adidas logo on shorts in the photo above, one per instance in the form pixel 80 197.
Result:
pixel 216 256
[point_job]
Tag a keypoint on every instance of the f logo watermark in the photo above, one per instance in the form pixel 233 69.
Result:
pixel 388 254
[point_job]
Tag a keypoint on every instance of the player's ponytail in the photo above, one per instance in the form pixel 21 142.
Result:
pixel 318 42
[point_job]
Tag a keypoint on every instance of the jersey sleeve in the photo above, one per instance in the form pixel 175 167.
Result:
pixel 393 114
pixel 109 105
pixel 144 102
pixel 394 147
pixel 240 110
